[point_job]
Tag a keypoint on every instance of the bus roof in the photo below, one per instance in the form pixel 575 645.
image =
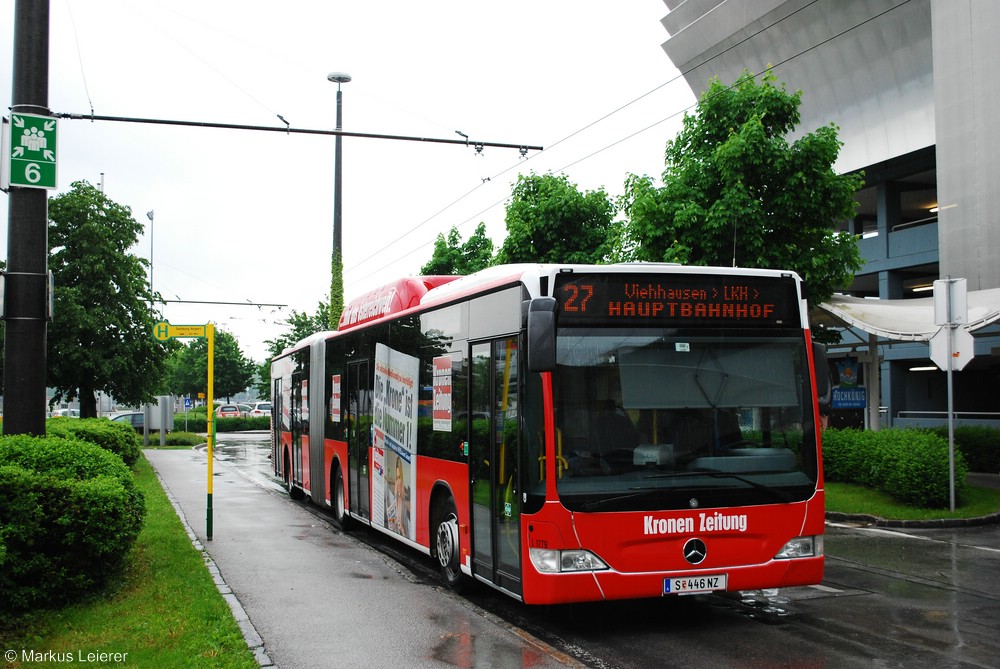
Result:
pixel 391 298
pixel 531 275
pixel 410 292
pixel 404 294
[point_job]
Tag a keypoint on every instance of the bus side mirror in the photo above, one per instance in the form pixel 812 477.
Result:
pixel 542 334
pixel 823 386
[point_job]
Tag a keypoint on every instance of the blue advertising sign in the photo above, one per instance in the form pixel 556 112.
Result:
pixel 849 398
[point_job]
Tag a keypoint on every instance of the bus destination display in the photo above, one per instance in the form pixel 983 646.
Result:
pixel 677 300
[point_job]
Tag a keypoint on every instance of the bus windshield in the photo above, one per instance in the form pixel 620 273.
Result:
pixel 669 419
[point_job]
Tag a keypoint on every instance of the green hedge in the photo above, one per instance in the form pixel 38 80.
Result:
pixel 184 439
pixel 119 438
pixel 69 514
pixel 980 446
pixel 198 423
pixel 910 465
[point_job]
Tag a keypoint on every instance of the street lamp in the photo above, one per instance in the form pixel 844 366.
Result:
pixel 337 262
pixel 149 215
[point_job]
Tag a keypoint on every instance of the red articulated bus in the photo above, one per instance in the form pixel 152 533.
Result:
pixel 570 433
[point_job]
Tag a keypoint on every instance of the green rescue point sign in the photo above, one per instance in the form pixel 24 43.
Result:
pixel 31 151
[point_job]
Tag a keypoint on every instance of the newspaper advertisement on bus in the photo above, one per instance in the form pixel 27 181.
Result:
pixel 395 427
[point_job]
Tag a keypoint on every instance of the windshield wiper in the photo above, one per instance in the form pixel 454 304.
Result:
pixel 718 474
pixel 777 493
pixel 595 504
pixel 781 495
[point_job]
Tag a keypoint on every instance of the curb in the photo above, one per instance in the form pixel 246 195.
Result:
pixel 935 523
pixel 253 639
pixel 981 479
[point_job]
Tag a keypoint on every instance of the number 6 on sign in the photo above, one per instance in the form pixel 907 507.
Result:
pixel 33 172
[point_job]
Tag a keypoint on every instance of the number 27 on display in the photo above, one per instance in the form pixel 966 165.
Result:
pixel 581 293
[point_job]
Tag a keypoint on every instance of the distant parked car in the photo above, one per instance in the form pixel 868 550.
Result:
pixel 244 410
pixel 137 420
pixel 260 409
pixel 228 411
pixel 66 413
pixel 134 418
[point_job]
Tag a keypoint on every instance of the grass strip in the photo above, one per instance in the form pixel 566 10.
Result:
pixel 856 499
pixel 163 611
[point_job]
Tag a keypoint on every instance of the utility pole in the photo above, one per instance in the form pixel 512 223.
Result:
pixel 26 278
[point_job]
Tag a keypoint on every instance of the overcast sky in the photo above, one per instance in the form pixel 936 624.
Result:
pixel 247 217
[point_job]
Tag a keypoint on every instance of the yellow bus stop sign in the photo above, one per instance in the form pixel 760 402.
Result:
pixel 164 331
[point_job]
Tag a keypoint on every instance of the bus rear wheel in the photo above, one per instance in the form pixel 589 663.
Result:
pixel 446 543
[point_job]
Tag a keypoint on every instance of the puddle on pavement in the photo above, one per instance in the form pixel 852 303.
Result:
pixel 251 455
pixel 460 649
pixel 766 605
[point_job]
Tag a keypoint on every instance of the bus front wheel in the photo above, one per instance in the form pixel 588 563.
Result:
pixel 340 500
pixel 447 543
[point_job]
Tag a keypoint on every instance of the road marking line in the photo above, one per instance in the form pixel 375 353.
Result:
pixel 825 588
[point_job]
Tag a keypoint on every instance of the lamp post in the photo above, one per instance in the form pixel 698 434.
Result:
pixel 149 215
pixel 337 262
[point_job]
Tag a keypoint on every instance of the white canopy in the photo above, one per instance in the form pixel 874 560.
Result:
pixel 909 320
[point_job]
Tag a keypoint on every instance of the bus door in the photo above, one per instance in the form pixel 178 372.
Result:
pixel 277 427
pixel 359 421
pixel 493 458
pixel 299 415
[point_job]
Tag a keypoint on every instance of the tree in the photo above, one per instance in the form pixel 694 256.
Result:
pixel 736 192
pixel 550 220
pixel 101 336
pixel 300 325
pixel 452 257
pixel 232 371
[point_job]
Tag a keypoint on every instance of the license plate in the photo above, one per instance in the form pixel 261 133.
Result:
pixel 684 585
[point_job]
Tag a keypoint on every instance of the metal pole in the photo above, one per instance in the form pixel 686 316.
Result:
pixel 951 397
pixel 210 335
pixel 337 179
pixel 336 256
pixel 149 215
pixel 287 130
pixel 27 285
pixel 874 382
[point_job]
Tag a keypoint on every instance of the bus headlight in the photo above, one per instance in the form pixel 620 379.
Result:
pixel 553 562
pixel 801 547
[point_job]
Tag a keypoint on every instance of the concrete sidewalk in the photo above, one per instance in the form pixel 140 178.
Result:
pixel 316 597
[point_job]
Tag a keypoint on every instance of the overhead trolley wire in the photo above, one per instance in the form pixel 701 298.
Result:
pixel 480 144
pixel 634 134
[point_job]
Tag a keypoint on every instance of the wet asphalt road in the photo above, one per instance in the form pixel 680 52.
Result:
pixel 890 598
